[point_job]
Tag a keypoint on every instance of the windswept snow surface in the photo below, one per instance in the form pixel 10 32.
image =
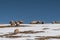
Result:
pixel 49 30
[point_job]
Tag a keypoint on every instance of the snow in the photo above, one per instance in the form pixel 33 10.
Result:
pixel 54 39
pixel 53 30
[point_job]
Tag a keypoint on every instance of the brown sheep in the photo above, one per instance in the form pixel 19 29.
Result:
pixel 36 22
pixel 17 23
pixel 16 31
pixel 12 23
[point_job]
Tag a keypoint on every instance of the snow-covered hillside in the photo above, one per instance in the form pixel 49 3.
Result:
pixel 44 30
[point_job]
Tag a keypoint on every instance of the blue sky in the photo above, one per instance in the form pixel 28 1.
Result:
pixel 27 10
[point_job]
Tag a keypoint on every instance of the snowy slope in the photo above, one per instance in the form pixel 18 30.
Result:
pixel 49 30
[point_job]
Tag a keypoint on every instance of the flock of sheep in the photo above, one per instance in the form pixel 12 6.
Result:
pixel 17 23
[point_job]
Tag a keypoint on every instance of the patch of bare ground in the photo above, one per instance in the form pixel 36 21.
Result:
pixel 32 32
pixel 41 39
pixel 56 29
pixel 47 37
pixel 13 35
pixel 46 28
pixel 15 26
